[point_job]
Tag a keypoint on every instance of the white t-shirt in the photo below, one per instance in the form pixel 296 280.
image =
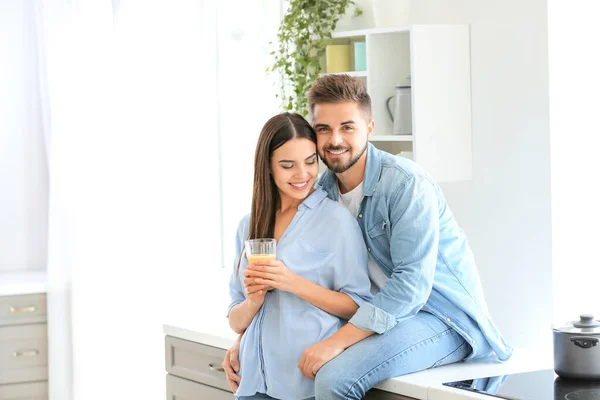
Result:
pixel 351 201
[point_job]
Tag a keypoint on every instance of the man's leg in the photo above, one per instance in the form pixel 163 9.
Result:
pixel 419 343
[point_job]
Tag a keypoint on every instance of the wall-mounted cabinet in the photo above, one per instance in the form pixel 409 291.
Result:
pixel 436 58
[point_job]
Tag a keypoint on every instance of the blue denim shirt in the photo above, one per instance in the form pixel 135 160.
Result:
pixel 412 235
pixel 323 244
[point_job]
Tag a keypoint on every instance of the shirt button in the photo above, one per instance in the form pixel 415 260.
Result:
pixel 448 319
pixel 369 249
pixel 359 215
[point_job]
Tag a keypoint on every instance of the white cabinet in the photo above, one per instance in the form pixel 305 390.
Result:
pixel 437 58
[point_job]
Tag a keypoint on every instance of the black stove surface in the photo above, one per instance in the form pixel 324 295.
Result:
pixel 537 385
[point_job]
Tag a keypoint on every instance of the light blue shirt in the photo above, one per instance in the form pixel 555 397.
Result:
pixel 323 244
pixel 412 235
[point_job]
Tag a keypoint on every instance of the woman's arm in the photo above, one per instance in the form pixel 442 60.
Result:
pixel 241 315
pixel 274 273
pixel 245 301
pixel 336 303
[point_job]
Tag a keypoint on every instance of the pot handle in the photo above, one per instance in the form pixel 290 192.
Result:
pixel 585 342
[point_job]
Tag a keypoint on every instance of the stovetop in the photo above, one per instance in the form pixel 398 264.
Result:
pixel 537 385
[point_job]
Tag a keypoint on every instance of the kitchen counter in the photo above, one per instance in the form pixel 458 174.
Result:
pixel 22 282
pixel 213 330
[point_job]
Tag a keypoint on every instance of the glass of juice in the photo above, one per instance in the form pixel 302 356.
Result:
pixel 260 249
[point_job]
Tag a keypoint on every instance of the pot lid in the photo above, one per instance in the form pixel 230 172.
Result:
pixel 585 325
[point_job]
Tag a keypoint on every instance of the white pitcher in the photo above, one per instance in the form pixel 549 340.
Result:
pixel 402 115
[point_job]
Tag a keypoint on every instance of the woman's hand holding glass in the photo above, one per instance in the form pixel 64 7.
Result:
pixel 258 250
pixel 270 274
pixel 255 294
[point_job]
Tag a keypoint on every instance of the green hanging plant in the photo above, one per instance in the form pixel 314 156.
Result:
pixel 301 42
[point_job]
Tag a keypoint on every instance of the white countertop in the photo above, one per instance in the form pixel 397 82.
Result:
pixel 22 282
pixel 213 330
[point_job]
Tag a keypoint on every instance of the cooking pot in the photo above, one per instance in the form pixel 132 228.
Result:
pixel 577 349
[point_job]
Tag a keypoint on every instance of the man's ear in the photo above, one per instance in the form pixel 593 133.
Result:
pixel 370 128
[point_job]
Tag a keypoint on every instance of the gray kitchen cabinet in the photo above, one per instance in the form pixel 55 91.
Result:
pixel 182 389
pixel 24 391
pixel 194 372
pixel 195 362
pixel 22 309
pixel 24 351
pixel 23 347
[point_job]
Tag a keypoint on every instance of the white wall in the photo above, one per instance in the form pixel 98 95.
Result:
pixel 246 101
pixel 505 209
pixel 23 173
pixel 575 138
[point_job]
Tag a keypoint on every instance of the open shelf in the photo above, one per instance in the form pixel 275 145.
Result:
pixel 374 31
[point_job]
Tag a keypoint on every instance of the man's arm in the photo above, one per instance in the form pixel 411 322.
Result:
pixel 414 242
pixel 321 353
pixel 348 335
pixel 413 247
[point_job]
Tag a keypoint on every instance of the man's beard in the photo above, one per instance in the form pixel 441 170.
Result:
pixel 338 169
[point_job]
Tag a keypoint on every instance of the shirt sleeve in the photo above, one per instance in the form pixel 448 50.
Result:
pixel 414 241
pixel 351 274
pixel 236 291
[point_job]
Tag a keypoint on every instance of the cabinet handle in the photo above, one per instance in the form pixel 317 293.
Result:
pixel 15 310
pixel 216 369
pixel 25 353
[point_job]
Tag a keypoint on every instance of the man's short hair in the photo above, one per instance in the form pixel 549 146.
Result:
pixel 340 88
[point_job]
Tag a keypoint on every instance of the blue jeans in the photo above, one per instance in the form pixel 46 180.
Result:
pixel 260 396
pixel 418 343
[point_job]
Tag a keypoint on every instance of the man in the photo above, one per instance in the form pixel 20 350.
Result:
pixel 428 307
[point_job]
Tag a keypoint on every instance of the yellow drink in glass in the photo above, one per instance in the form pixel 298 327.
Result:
pixel 259 257
pixel 260 249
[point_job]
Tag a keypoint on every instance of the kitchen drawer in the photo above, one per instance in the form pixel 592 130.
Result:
pixel 25 391
pixel 22 309
pixel 24 353
pixel 182 389
pixel 196 362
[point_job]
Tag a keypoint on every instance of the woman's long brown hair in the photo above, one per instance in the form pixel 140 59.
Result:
pixel 265 197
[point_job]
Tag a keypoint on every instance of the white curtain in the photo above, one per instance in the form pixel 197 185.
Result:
pixel 148 126
pixel 23 172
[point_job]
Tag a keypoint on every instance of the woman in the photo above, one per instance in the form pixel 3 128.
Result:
pixel 320 275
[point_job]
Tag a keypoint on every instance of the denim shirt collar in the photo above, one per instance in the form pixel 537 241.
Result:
pixel 314 198
pixel 372 174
